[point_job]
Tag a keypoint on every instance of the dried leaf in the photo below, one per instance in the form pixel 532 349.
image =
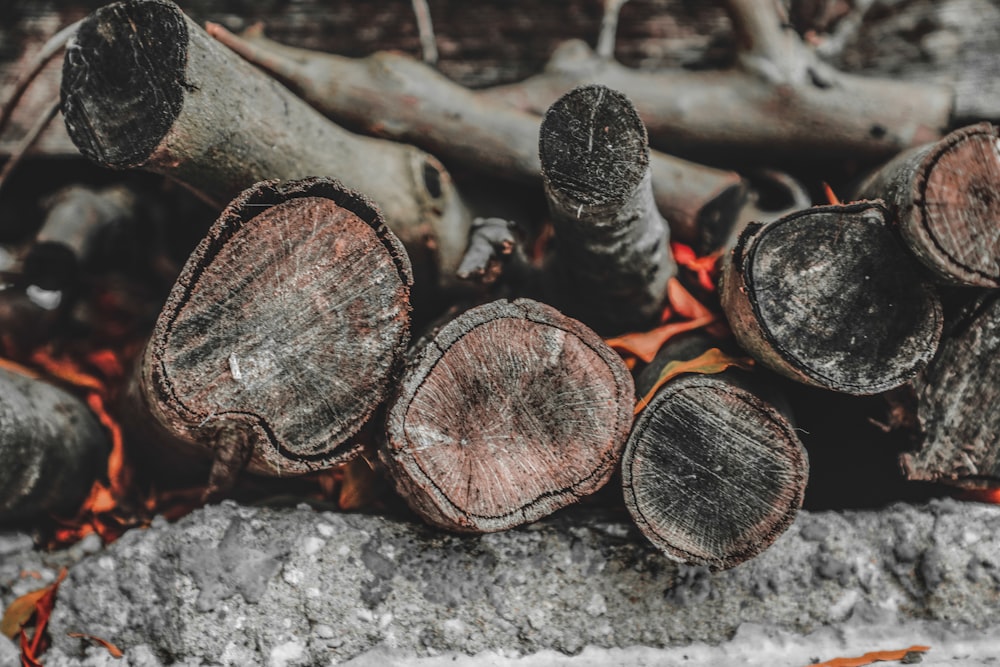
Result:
pixel 646 344
pixel 683 303
pixel 20 612
pixel 874 656
pixel 831 195
pixel 708 363
pixel 112 649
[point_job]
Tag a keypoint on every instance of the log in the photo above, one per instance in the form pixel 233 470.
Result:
pixel 509 413
pixel 613 260
pixel 85 229
pixel 52 446
pixel 827 296
pixel 143 86
pixel 391 95
pixel 791 105
pixel 943 200
pixel 282 333
pixel 713 472
pixel 954 423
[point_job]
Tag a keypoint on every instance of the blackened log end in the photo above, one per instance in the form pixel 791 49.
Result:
pixel 123 80
pixel 593 146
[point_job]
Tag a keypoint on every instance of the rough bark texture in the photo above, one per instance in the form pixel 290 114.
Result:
pixel 943 198
pixel 958 425
pixel 51 446
pixel 283 330
pixel 392 95
pixel 144 86
pixel 614 256
pixel 379 589
pixel 828 296
pixel 511 412
pixel 713 472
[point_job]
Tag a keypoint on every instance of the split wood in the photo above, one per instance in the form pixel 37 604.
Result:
pixel 282 333
pixel 509 413
pixel 52 446
pixel 827 296
pixel 945 202
pixel 144 86
pixel 392 95
pixel 953 413
pixel 713 472
pixel 778 100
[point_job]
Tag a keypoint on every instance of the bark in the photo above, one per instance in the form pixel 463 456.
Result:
pixel 713 472
pixel 828 297
pixel 613 256
pixel 52 447
pixel 956 425
pixel 392 95
pixel 790 105
pixel 144 86
pixel 282 333
pixel 943 199
pixel 509 413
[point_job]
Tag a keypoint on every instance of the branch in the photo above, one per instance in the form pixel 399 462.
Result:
pixel 394 96
pixel 778 101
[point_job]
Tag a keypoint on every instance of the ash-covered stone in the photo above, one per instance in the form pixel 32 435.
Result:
pixel 298 587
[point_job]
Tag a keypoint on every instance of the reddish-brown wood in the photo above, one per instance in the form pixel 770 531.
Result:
pixel 944 200
pixel 282 333
pixel 510 412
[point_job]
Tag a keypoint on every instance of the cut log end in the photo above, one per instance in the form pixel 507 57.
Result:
pixel 712 474
pixel 119 120
pixel 593 147
pixel 957 206
pixel 288 320
pixel 827 296
pixel 511 412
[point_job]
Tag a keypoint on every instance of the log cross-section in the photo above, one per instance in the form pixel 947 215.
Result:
pixel 283 330
pixel 827 296
pixel 509 413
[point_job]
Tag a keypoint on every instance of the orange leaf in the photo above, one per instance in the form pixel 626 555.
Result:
pixel 20 612
pixel 683 303
pixel 830 195
pixel 112 649
pixel 708 363
pixel 874 656
pixel 646 344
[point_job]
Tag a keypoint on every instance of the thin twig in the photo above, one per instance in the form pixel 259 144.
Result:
pixel 55 44
pixel 28 140
pixel 609 27
pixel 425 28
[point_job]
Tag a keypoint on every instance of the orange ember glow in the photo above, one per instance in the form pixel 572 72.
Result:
pixel 875 656
pixel 831 196
pixel 991 496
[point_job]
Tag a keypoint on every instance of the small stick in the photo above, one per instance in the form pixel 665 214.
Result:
pixel 609 27
pixel 425 28
pixel 713 472
pixel 779 100
pixel 281 334
pixel 614 259
pixel 28 140
pixel 827 296
pixel 52 447
pixel 944 200
pixel 392 95
pixel 954 419
pixel 198 113
pixel 509 413
pixel 28 74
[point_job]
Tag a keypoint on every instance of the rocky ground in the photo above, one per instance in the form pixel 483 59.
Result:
pixel 293 586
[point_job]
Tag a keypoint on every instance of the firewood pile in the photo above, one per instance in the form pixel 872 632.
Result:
pixel 498 300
